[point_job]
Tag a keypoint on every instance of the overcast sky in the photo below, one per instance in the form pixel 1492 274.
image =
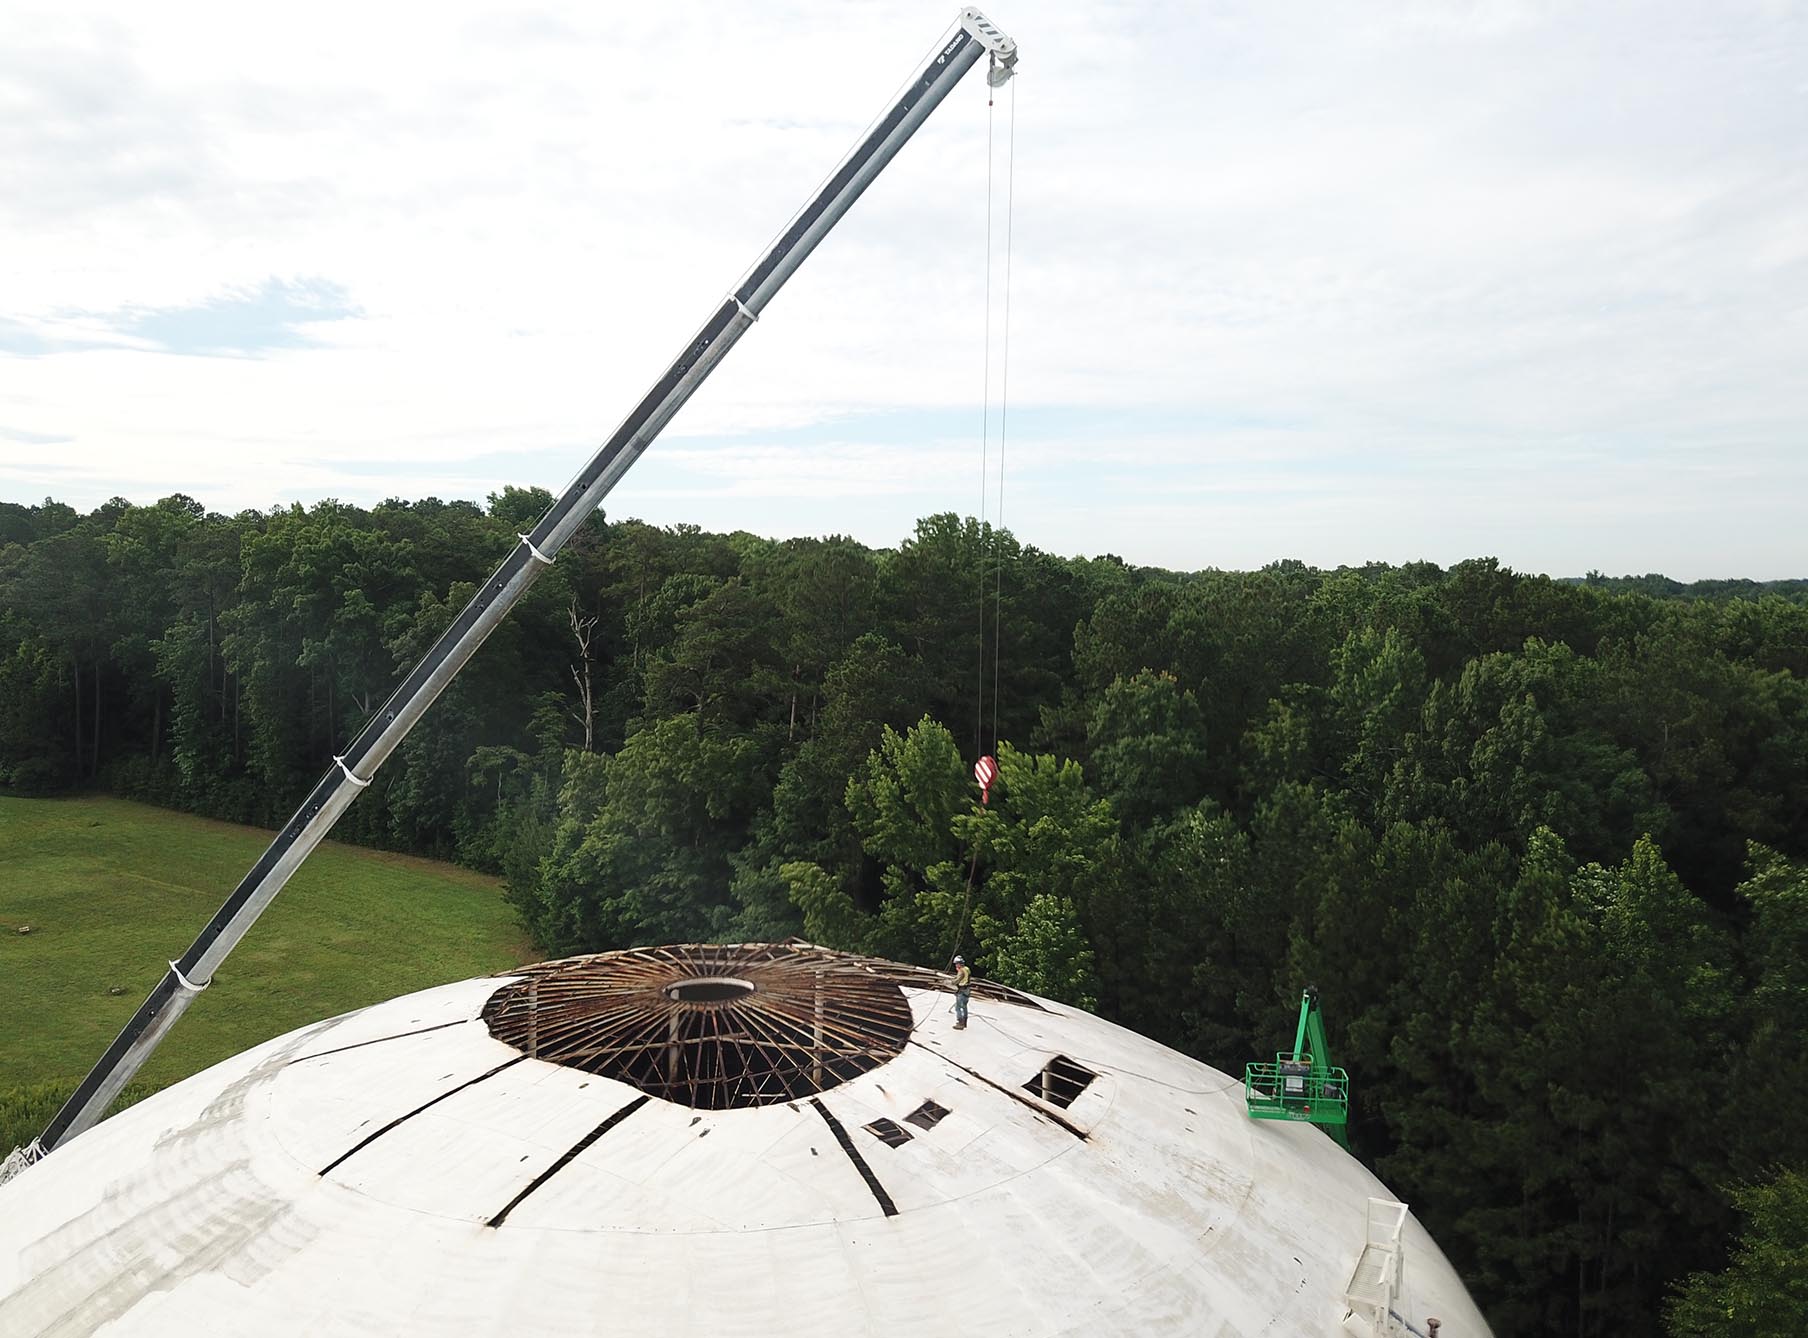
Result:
pixel 1340 282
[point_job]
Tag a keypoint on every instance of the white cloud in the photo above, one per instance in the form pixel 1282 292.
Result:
pixel 1452 259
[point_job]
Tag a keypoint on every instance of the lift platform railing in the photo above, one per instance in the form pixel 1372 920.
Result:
pixel 1290 1089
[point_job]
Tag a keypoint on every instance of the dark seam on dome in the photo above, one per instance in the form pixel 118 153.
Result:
pixel 853 1153
pixel 377 1040
pixel 565 1160
pixel 418 1109
pixel 1021 1098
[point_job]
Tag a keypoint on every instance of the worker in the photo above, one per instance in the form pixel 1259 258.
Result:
pixel 963 990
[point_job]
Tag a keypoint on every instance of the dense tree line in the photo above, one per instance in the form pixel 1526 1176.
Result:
pixel 1542 845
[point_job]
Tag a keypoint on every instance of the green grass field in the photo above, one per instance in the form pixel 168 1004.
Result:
pixel 112 890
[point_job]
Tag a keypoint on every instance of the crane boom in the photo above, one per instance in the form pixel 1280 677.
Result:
pixel 971 37
pixel 1309 1036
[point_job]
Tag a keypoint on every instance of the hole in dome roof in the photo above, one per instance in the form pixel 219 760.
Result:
pixel 714 1028
pixel 1061 1081
pixel 927 1115
pixel 889 1132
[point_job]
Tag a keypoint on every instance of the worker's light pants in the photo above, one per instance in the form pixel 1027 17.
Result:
pixel 960 1005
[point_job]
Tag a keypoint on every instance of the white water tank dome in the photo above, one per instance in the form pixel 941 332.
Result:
pixel 712 1142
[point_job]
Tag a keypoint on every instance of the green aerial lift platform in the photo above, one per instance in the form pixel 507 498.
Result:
pixel 1301 1084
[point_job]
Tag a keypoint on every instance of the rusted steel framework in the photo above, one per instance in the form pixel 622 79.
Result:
pixel 717 1027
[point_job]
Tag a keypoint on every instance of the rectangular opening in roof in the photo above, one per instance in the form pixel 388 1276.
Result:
pixel 889 1132
pixel 1061 1081
pixel 927 1115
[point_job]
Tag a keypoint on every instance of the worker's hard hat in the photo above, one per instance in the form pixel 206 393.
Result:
pixel 960 959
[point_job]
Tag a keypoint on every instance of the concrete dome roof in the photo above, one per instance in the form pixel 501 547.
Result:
pixel 558 1151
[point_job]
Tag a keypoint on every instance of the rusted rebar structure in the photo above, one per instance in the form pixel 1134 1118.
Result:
pixel 717 1027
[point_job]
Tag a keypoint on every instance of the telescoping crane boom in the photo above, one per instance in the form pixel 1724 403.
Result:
pixel 1301 1084
pixel 971 38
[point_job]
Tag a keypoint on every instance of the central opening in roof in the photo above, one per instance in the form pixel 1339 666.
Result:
pixel 709 989
pixel 713 1026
